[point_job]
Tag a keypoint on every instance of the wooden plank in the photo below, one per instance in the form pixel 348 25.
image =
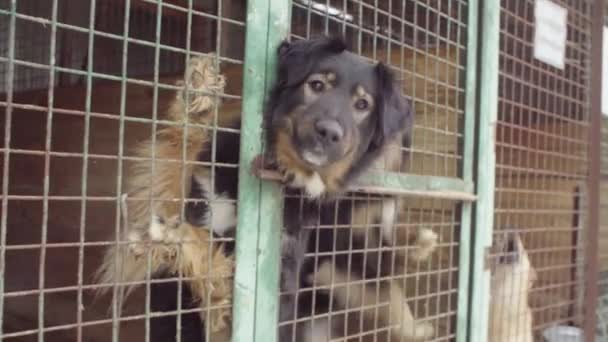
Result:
pixel 603 234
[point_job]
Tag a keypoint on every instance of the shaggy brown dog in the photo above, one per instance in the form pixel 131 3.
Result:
pixel 330 116
pixel 157 186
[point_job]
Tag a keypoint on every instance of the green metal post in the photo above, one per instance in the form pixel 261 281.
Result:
pixel 271 215
pixel 256 283
pixel 464 255
pixel 486 164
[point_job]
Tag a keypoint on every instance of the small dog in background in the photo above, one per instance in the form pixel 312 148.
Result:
pixel 511 281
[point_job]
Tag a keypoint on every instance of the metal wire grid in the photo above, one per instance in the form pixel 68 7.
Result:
pixel 423 41
pixel 429 287
pixel 63 155
pixel 542 161
pixel 30 78
pixel 32 38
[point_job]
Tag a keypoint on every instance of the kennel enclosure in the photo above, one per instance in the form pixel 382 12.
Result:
pixel 503 143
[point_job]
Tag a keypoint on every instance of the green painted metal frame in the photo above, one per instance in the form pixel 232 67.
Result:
pixel 466 212
pixel 486 167
pixel 256 283
pixel 402 184
pixel 394 183
pixel 258 246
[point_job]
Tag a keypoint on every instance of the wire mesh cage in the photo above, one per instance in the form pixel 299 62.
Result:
pixel 424 42
pixel 84 84
pixel 542 167
pixel 128 127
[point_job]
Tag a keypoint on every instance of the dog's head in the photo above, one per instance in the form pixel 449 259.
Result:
pixel 331 113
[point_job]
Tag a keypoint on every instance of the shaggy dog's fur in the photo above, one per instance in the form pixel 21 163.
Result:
pixel 330 116
pixel 156 190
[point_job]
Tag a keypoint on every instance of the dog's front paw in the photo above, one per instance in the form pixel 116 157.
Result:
pixel 137 244
pixel 161 230
pixel 323 276
pixel 203 83
pixel 312 184
pixel 417 331
pixel 426 243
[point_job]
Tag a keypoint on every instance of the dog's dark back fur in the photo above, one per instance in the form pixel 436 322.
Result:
pixel 391 119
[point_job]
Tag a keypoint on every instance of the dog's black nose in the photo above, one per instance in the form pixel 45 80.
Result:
pixel 329 131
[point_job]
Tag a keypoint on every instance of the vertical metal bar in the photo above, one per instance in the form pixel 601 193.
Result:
pixel 486 164
pixel 47 171
pixel 219 48
pixel 271 213
pixel 464 255
pixel 255 309
pixel 151 199
pixel 243 326
pixel 592 271
pixel 85 166
pixel 10 75
pixel 121 142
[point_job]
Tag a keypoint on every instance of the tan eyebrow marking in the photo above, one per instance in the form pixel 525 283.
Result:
pixel 359 91
pixel 326 77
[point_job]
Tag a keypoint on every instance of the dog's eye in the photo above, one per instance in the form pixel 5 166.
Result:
pixel 317 85
pixel 361 104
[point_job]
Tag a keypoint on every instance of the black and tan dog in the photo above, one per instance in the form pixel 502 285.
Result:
pixel 330 116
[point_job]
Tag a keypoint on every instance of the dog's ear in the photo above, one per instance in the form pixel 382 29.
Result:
pixel 394 111
pixel 296 59
pixel 283 47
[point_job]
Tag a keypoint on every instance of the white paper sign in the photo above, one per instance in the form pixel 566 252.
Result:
pixel 605 73
pixel 550 33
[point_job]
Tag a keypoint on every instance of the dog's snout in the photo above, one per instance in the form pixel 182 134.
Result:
pixel 329 131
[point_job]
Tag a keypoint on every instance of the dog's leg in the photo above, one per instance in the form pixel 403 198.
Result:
pixel 318 330
pixel 426 243
pixel 208 270
pixel 157 187
pixel 401 318
pixel 398 315
pixel 167 179
pixel 190 252
pixel 294 242
pixel 312 183
pixel 387 219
